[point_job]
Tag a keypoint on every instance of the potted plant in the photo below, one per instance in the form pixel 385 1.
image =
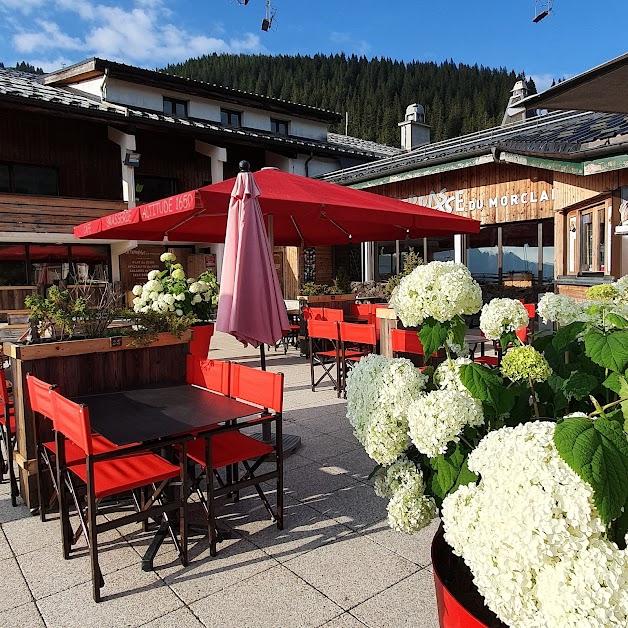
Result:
pixel 170 293
pixel 526 464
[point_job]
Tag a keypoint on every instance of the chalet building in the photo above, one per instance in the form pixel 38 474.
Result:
pixel 99 136
pixel 551 192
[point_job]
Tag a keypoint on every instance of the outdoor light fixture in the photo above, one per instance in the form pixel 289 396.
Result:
pixel 132 159
pixel 265 24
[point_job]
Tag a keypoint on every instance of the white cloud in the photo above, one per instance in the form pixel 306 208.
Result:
pixel 24 6
pixel 350 45
pixel 542 81
pixel 143 34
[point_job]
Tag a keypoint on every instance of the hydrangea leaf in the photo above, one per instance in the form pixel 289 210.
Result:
pixel 450 472
pixel 579 385
pixel 608 350
pixel 567 334
pixel 616 320
pixel 598 452
pixel 433 335
pixel 485 385
pixel 615 382
pixel 458 330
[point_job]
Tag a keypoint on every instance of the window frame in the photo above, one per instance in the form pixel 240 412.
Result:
pixel 574 248
pixel 11 165
pixel 229 113
pixel 173 103
pixel 276 124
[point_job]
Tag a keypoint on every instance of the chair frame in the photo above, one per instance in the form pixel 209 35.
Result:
pixel 322 357
pixel 8 439
pixel 88 524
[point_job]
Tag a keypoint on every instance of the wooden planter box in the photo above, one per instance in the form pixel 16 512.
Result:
pixel 338 301
pixel 83 367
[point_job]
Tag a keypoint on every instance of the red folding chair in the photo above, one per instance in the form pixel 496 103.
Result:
pixel 361 311
pixel 489 360
pixel 226 446
pixel 333 314
pixel 324 351
pixel 356 341
pixel 109 473
pixel 313 313
pixel 407 342
pixel 7 437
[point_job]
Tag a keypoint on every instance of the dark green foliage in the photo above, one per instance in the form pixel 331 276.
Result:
pixel 23 66
pixel 458 98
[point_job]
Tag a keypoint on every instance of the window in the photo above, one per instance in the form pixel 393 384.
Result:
pixel 89 263
pixel 440 249
pixel 280 127
pixel 482 255
pixel 13 265
pixel 386 259
pixel 174 107
pixel 149 189
pixel 230 118
pixel 586 237
pixel 35 180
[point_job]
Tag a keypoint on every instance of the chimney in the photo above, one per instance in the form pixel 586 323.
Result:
pixel 514 112
pixel 414 131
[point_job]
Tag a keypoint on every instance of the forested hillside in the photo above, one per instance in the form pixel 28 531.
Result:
pixel 458 98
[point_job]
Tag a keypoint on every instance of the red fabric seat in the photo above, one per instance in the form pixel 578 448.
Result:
pixel 73 453
pixel 489 360
pixel 228 448
pixel 126 473
pixel 3 420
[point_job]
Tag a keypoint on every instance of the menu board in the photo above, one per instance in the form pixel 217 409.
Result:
pixel 137 263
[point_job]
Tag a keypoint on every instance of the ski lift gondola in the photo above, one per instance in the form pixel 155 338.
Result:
pixel 542 9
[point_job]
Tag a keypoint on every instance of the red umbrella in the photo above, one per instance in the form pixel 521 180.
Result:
pixel 251 306
pixel 306 212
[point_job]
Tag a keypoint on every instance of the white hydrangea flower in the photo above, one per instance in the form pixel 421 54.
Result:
pixel 203 286
pixel 410 510
pixel 178 274
pixel 500 316
pixel 179 312
pixel 137 290
pixel 168 298
pixel 438 418
pixel 197 298
pixel 447 375
pixel 153 286
pixel 153 274
pixel 379 391
pixel 180 297
pixel 558 308
pixel 195 287
pixel 402 472
pixel 531 535
pixel 441 290
pixel 168 257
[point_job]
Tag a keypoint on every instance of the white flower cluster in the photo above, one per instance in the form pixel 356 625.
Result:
pixel 438 418
pixel 441 290
pixel 151 296
pixel 447 375
pixel 501 316
pixel 558 308
pixel 531 535
pixel 409 509
pixel 379 392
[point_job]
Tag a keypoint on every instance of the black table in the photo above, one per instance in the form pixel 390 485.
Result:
pixel 150 414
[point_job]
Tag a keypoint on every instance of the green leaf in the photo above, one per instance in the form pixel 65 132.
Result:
pixel 450 472
pixel 458 330
pixel 616 320
pixel 608 350
pixel 614 382
pixel 433 335
pixel 567 334
pixel 579 385
pixel 598 452
pixel 485 385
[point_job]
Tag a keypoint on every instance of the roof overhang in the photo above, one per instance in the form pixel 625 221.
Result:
pixel 603 88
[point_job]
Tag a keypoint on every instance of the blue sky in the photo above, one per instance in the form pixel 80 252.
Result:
pixel 577 35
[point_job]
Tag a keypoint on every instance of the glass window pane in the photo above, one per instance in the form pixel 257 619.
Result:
pixel 520 252
pixel 482 255
pixel 224 117
pixel 586 242
pixel 90 263
pixel 180 109
pixel 13 265
pixel 167 106
pixel 49 263
pixel 602 255
pixel 548 251
pixel 149 189
pixel 441 249
pixel 4 178
pixel 386 259
pixel 35 180
pixel 404 248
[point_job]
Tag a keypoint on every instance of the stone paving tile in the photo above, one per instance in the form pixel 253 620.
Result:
pixel 326 447
pixel 47 572
pixel 305 529
pixel 131 597
pixel 237 560
pixel 26 615
pixel 315 481
pixel 13 588
pixel 11 513
pixel 410 602
pixel 355 506
pixel 414 547
pixel 346 620
pixel 351 570
pixel 274 598
pixel 357 464
pixel 182 618
pixel 30 534
pixel 5 548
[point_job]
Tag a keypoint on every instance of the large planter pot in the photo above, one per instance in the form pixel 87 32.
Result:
pixel 460 605
pixel 84 367
pixel 201 338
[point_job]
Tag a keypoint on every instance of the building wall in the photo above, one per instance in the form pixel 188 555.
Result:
pixel 88 163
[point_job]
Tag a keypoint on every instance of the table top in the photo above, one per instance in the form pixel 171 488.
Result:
pixel 149 414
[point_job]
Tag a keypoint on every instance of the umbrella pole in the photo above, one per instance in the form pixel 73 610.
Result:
pixel 267 436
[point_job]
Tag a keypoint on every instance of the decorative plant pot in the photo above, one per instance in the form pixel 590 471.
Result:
pixel 201 337
pixel 460 605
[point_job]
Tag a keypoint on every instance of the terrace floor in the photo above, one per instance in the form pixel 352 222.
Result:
pixel 336 563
